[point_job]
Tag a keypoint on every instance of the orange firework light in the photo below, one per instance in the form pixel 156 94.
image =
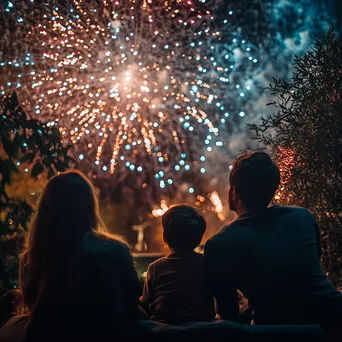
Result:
pixel 286 161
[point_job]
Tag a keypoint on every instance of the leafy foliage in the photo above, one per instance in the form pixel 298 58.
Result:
pixel 25 145
pixel 305 135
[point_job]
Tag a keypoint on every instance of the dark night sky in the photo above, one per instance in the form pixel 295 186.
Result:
pixel 335 9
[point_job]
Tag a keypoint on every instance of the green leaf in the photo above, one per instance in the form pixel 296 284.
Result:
pixel 60 166
pixel 10 148
pixel 37 169
pixel 26 157
pixel 47 161
pixel 11 166
pixel 55 133
pixel 5 173
pixel 51 172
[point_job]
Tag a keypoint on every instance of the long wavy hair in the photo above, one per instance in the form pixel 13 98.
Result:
pixel 69 259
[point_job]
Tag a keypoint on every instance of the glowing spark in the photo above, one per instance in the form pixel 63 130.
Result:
pixel 160 211
pixel 218 207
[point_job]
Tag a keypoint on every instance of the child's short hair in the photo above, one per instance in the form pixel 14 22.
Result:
pixel 184 227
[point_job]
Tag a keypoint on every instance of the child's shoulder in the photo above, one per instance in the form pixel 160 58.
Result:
pixel 158 262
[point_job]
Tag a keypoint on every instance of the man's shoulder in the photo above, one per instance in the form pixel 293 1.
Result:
pixel 233 229
pixel 226 232
pixel 292 209
pixel 289 211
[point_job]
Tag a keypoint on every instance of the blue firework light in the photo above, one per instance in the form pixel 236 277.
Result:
pixel 135 85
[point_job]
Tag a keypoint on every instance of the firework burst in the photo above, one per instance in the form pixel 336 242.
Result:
pixel 124 80
pixel 140 87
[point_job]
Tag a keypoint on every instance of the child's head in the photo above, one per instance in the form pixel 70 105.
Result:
pixel 183 228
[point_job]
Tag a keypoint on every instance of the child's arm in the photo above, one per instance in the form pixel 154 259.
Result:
pixel 147 296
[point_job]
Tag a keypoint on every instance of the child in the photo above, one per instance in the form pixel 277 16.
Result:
pixel 175 289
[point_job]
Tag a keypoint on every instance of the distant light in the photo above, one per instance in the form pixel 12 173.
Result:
pixel 81 156
pixel 242 114
pixel 191 190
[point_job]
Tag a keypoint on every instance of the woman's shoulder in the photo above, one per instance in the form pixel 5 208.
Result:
pixel 108 238
pixel 14 330
pixel 106 243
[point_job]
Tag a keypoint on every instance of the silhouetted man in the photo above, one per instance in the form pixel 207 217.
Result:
pixel 271 254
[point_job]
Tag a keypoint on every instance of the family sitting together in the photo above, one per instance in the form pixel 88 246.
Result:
pixel 77 278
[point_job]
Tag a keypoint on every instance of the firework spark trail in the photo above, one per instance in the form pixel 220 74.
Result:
pixel 150 87
pixel 125 75
pixel 132 84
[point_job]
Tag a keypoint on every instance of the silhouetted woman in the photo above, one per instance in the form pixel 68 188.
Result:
pixel 76 279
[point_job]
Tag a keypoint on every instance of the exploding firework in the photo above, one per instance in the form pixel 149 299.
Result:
pixel 147 90
pixel 135 84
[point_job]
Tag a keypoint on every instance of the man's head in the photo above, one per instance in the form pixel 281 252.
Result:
pixel 253 181
pixel 183 228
